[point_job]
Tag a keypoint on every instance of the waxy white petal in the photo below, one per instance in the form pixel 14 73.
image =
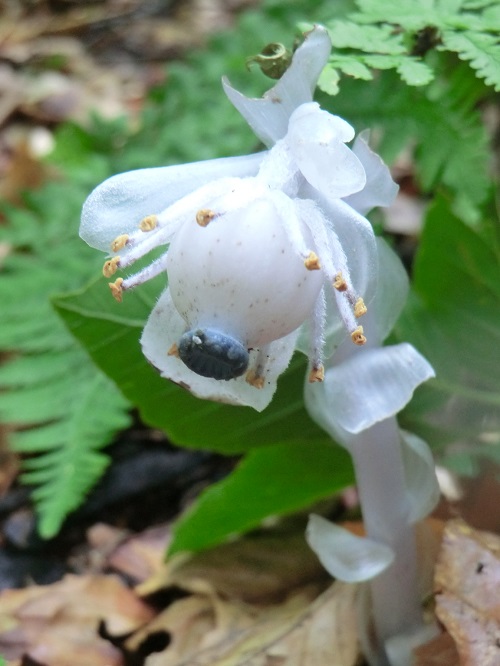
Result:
pixel 380 189
pixel 317 143
pixel 268 117
pixel 164 328
pixel 344 555
pixel 118 205
pixel 392 290
pixel 369 386
pixel 421 480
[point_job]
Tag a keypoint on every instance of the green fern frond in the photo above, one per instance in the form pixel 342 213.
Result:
pixel 450 140
pixel 481 50
pixel 70 458
pixel 397 34
pixel 49 389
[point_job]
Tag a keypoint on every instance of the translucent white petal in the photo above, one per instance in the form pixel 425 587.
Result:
pixel 317 142
pixel 380 189
pixel 268 117
pixel 392 290
pixel 344 555
pixel 421 480
pixel 118 205
pixel 164 328
pixel 372 385
pixel 319 126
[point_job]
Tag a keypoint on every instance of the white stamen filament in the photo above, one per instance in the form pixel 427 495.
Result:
pixel 148 273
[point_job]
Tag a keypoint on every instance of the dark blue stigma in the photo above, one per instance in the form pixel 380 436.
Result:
pixel 213 354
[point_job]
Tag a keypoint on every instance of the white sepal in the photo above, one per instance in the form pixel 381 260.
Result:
pixel 380 189
pixel 392 290
pixel 118 204
pixel 164 328
pixel 268 117
pixel 367 387
pixel 344 555
pixel 317 143
pixel 420 473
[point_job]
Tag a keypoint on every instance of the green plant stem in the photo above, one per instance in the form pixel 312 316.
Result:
pixel 380 477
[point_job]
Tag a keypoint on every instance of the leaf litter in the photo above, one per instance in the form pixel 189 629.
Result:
pixel 261 600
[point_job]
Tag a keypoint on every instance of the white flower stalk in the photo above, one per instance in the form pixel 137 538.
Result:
pixel 394 471
pixel 254 246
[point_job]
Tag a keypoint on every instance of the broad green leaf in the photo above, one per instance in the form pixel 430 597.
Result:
pixel 453 318
pixel 271 481
pixel 110 333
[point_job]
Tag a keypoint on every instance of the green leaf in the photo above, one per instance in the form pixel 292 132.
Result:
pixel 351 67
pixel 77 411
pixel 450 138
pixel 415 72
pixel 368 38
pixel 480 49
pixel 390 34
pixel 110 333
pixel 329 80
pixel 276 480
pixel 453 318
pixel 407 13
pixel 50 390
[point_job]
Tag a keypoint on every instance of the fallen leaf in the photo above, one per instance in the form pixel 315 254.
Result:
pixel 58 624
pixel 304 629
pixel 261 568
pixel 467 580
pixel 263 600
pixel 440 651
pixel 141 556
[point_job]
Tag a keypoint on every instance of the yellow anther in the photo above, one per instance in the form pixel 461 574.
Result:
pixel 360 308
pixel 204 216
pixel 117 289
pixel 119 242
pixel 312 262
pixel 173 351
pixel 255 380
pixel 339 283
pixel 317 374
pixel 357 336
pixel 111 266
pixel 148 223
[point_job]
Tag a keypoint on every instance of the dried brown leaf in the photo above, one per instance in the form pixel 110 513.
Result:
pixel 440 651
pixel 304 630
pixel 467 579
pixel 261 568
pixel 143 555
pixel 57 624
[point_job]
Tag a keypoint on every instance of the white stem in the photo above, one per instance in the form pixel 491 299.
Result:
pixel 380 477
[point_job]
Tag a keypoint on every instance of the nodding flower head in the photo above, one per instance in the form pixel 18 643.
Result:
pixel 256 246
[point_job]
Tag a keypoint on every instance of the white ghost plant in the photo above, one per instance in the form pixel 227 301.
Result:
pixel 271 252
pixel 254 245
